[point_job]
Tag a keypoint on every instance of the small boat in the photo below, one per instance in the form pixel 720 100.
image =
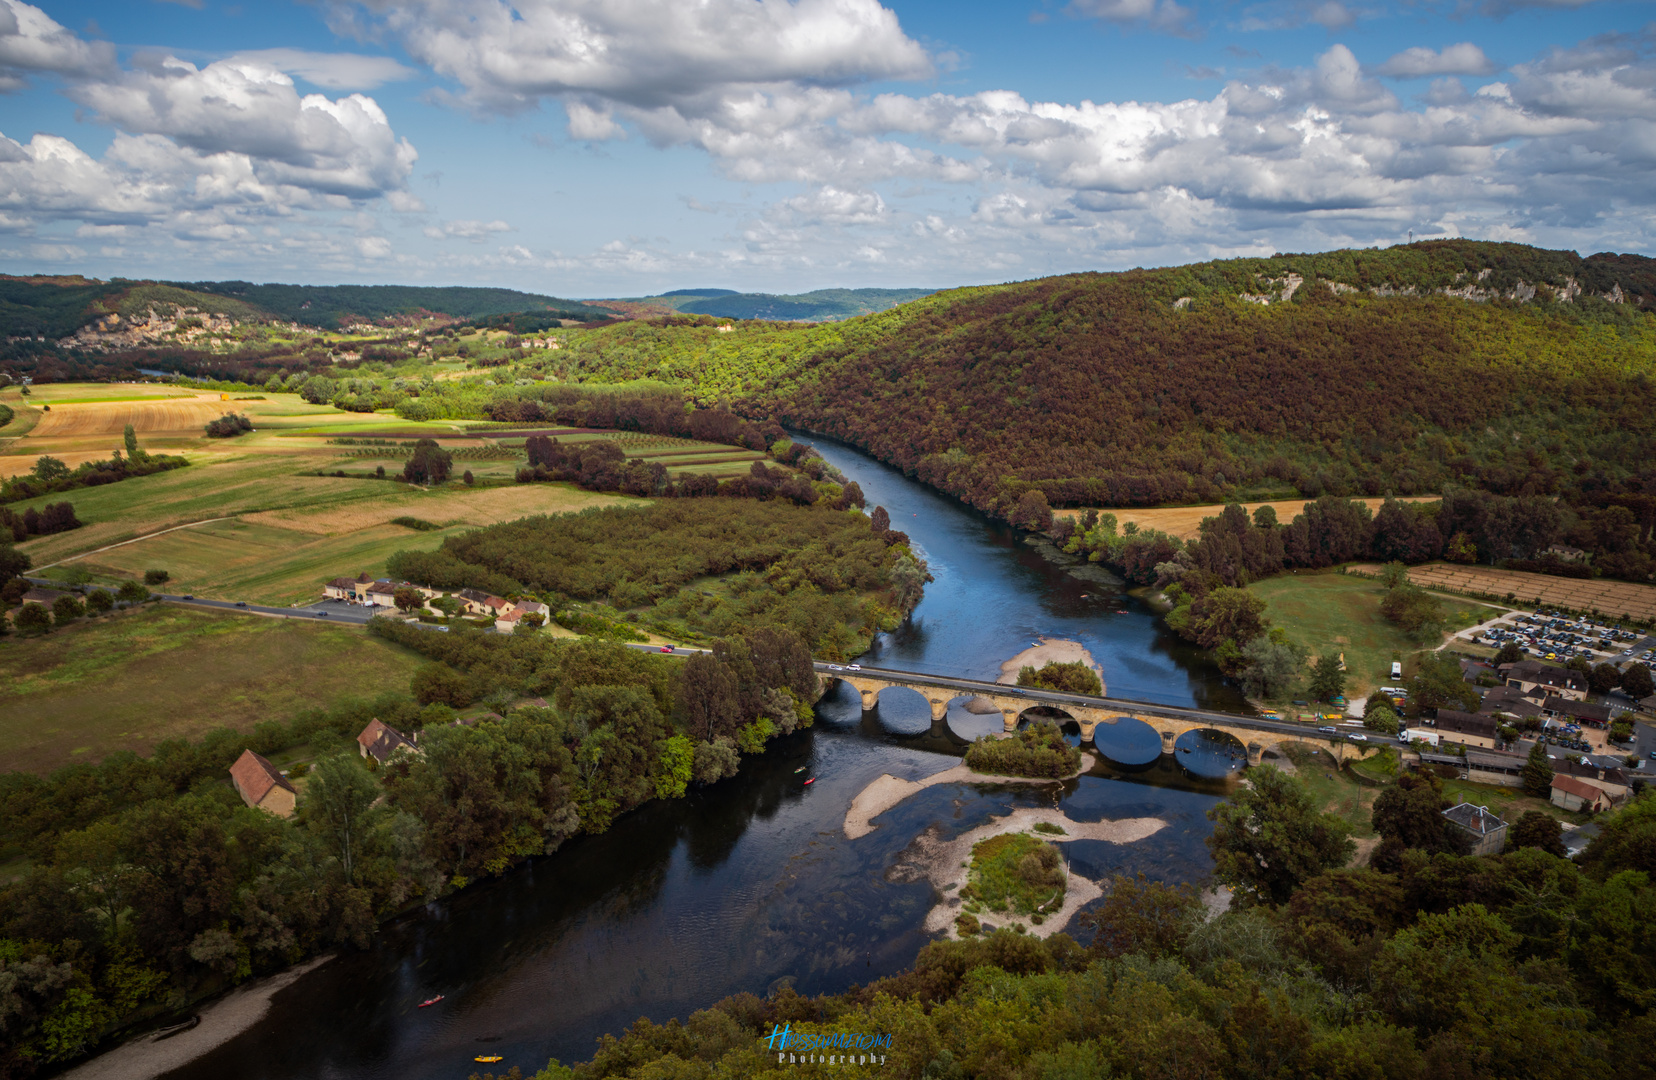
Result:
pixel 428 1002
pixel 800 769
pixel 175 1029
pixel 812 780
pixel 1083 596
pixel 1121 611
pixel 488 1059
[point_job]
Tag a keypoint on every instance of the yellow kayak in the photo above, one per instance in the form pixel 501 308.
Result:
pixel 488 1059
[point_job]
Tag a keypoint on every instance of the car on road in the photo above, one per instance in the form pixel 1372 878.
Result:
pixel 321 614
pixel 1357 737
pixel 855 667
pixel 1328 729
pixel 188 597
pixel 241 603
pixel 667 648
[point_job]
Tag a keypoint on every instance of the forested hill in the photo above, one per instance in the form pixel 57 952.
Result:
pixel 1352 372
pixel 55 307
pixel 823 305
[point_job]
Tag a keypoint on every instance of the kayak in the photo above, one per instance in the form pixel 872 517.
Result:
pixel 812 780
pixel 801 769
pixel 488 1059
pixel 431 1001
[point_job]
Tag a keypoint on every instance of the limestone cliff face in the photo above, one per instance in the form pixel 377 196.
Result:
pixel 161 324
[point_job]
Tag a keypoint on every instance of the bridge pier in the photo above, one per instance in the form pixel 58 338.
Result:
pixel 1255 753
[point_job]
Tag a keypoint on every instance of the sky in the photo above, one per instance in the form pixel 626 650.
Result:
pixel 592 148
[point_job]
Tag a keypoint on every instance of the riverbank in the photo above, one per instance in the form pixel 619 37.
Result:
pixel 947 865
pixel 886 791
pixel 221 1021
pixel 1048 651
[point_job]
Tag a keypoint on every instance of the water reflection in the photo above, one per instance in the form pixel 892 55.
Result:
pixel 1128 742
pixel 1210 754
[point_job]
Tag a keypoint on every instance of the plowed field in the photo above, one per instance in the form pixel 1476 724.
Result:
pixel 1619 598
pixel 148 417
pixel 1184 521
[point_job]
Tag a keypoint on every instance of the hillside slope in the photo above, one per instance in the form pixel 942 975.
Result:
pixel 1352 372
pixel 822 305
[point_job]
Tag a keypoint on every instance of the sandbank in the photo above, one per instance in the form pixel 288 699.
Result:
pixel 946 864
pixel 221 1021
pixel 1050 650
pixel 887 791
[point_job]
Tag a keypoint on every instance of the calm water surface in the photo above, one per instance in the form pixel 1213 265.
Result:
pixel 751 884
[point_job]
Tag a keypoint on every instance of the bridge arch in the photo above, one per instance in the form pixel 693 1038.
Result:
pixel 1127 742
pixel 1210 753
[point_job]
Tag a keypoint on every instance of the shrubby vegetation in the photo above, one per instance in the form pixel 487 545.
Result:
pixel 228 426
pixel 50 475
pixel 1038 750
pixel 691 567
pixel 1015 873
pixel 1066 678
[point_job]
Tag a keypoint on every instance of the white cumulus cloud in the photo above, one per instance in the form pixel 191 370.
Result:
pixel 1419 62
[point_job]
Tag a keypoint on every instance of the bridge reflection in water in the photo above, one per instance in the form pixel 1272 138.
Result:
pixel 1128 734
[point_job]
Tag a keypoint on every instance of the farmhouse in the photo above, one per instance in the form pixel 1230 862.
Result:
pixel 1566 708
pixel 340 588
pixel 1610 780
pixel 1510 701
pixel 382 742
pixel 262 785
pixel 1487 831
pixel 509 619
pixel 481 603
pixel 1572 794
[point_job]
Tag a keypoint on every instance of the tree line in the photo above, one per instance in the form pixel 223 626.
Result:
pixel 50 475
pixel 149 883
pixel 1436 964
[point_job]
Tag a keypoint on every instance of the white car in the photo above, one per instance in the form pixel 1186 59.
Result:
pixel 1358 738
pixel 855 667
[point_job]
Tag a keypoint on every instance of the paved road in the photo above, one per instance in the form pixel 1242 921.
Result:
pixel 329 610
pixel 1126 705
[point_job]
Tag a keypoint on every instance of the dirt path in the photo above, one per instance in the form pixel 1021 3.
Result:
pixel 134 540
pixel 221 1021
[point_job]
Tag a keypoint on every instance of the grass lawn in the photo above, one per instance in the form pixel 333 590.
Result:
pixel 1014 871
pixel 1333 790
pixel 127 681
pixel 1330 612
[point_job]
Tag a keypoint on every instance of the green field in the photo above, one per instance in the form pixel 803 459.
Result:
pixel 127 681
pixel 1341 613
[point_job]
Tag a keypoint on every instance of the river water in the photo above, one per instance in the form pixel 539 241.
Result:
pixel 751 884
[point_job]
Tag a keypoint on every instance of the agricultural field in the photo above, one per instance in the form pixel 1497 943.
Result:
pixel 1340 612
pixel 1618 599
pixel 1185 521
pixel 678 455
pixel 259 523
pixel 127 681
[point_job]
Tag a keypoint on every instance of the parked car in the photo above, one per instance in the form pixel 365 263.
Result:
pixel 1330 730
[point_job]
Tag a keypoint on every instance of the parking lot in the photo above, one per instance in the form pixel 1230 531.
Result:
pixel 1556 638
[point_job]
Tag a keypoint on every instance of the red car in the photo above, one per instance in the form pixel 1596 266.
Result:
pixel 666 648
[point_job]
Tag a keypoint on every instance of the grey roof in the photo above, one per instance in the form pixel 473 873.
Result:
pixel 1474 819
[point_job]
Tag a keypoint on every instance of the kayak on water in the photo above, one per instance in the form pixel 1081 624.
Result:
pixel 488 1058
pixel 801 769
pixel 812 780
pixel 431 1001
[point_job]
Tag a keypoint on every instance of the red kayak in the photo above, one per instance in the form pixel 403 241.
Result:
pixel 431 1001
pixel 812 780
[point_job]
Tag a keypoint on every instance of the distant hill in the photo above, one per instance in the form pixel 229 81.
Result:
pixel 56 307
pixel 823 305
pixel 1499 366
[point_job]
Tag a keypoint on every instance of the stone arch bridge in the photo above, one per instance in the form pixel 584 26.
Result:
pixel 1257 735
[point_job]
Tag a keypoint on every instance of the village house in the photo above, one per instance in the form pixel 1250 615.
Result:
pixel 1510 701
pixel 1468 729
pixel 1608 779
pixel 1566 708
pixel 262 785
pixel 1527 675
pixel 340 588
pixel 1487 831
pixel 478 602
pixel 509 619
pixel 1572 794
pixel 383 742
pixel 382 593
pixel 44 597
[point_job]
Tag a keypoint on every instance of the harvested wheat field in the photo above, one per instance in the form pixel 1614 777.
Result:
pixel 17 464
pixel 451 505
pixel 1185 521
pixel 1617 598
pixel 168 416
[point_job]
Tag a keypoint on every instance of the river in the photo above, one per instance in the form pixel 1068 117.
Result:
pixel 751 884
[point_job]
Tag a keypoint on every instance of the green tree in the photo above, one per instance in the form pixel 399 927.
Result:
pixel 130 437
pixel 408 598
pixel 706 691
pixel 1394 574
pixel 1638 683
pixel 48 469
pixel 1382 719
pixel 1227 614
pixel 1538 772
pixel 156 577
pixel 99 601
pixel 1065 678
pixel 1510 653
pixel 1269 836
pixel 1438 683
pixel 67 608
pixel 1408 815
pixel 1327 680
pixel 1273 666
pixel 428 464
pixel 102 874
pixel 32 618
pixel 339 807
pixel 440 684
pixel 1414 610
pixel 1604 678
pixel 1537 829
pixel 1032 511
pixel 131 592
pixel 674 767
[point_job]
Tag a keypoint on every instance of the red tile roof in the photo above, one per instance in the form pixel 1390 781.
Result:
pixel 255 776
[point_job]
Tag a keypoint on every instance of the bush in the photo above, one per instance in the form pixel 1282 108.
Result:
pixel 1037 750
pixel 66 609
pixel 99 601
pixel 228 426
pixel 156 577
pixel 131 592
pixel 1071 678
pixel 440 684
pixel 33 618
pixel 417 524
